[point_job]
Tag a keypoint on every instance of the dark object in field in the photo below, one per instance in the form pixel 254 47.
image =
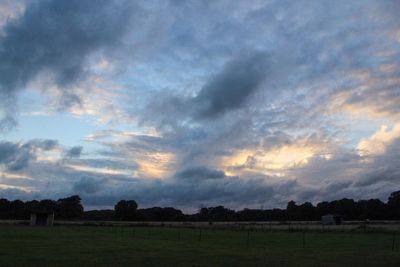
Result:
pixel 331 219
pixel 42 217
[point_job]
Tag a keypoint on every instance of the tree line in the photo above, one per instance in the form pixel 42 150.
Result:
pixel 70 208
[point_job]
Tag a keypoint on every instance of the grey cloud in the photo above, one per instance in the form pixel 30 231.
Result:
pixel 99 189
pixel 106 191
pixel 109 163
pixel 347 174
pixel 336 186
pixel 196 186
pixel 232 192
pixel 381 170
pixel 74 152
pixel 89 185
pixel 46 145
pixel 200 173
pixel 229 89
pixel 16 156
pixel 21 182
pixel 57 37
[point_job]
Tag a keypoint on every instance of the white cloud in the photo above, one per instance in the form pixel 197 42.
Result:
pixel 378 143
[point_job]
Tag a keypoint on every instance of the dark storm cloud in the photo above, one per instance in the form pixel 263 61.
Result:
pixel 109 163
pixel 105 190
pixel 20 182
pixel 16 156
pixel 232 192
pixel 74 152
pixel 229 89
pixel 193 187
pixel 337 186
pixel 88 185
pixel 57 37
pixel 348 174
pixel 200 173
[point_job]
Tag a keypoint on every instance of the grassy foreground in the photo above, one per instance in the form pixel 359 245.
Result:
pixel 141 246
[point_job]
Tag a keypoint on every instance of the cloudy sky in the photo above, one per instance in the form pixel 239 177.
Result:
pixel 199 103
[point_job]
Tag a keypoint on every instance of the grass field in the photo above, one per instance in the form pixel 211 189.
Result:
pixel 151 246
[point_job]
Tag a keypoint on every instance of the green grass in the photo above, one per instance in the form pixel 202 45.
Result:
pixel 144 246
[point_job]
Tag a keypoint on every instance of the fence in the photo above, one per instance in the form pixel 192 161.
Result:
pixel 291 226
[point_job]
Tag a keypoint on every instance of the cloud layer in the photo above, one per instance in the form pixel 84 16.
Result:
pixel 200 103
pixel 56 39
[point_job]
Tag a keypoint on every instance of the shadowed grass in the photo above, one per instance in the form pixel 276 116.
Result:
pixel 147 246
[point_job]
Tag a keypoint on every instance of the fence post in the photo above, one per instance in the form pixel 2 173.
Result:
pixel 200 235
pixel 304 239
pixel 393 240
pixel 248 238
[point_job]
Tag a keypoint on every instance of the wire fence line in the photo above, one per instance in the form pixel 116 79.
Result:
pixel 247 238
pixel 291 226
pixel 254 238
pixel 255 243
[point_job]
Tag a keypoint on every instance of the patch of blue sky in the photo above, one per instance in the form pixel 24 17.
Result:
pixel 355 128
pixel 69 130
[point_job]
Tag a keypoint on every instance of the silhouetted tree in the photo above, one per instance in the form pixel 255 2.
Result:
pixel 324 208
pixel 394 205
pixel 306 212
pixel 126 210
pixel 99 215
pixel 346 208
pixel 4 209
pixel 68 208
pixel 292 210
pixel 17 209
pixel 373 209
pixel 160 214
pixel 71 208
pixel 220 213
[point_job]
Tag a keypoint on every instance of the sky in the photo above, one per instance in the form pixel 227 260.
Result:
pixel 199 103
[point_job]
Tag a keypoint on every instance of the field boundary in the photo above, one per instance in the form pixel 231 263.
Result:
pixel 291 226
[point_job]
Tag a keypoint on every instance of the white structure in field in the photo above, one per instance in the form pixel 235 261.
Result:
pixel 42 217
pixel 331 219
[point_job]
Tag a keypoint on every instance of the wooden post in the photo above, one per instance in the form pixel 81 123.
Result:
pixel 393 240
pixel 200 235
pixel 248 238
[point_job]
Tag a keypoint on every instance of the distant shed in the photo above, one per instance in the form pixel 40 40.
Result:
pixel 331 219
pixel 42 217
